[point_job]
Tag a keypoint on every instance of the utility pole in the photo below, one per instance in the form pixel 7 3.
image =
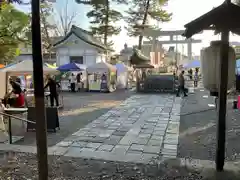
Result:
pixel 41 134
pixel 176 57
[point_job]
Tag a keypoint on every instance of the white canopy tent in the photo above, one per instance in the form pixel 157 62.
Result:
pixel 101 67
pixel 20 69
pixel 25 68
pixel 95 74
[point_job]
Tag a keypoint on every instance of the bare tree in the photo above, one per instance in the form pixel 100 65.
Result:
pixel 65 18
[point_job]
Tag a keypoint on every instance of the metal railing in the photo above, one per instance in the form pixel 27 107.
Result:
pixel 10 123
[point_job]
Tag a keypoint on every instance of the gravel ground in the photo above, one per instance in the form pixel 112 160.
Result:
pixel 23 167
pixel 198 129
pixel 79 110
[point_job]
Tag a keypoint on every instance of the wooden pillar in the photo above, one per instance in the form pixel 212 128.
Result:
pixel 137 80
pixel 222 94
pixel 154 47
pixel 189 46
pixel 41 135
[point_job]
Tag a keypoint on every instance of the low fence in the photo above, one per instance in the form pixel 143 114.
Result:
pixel 157 83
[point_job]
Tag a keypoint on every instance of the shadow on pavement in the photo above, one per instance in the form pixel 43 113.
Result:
pixel 80 109
pixel 68 125
pixel 88 169
pixel 198 130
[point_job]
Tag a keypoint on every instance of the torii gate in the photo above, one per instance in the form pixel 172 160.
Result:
pixel 171 34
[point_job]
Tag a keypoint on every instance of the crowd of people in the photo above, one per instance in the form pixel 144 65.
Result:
pixel 16 97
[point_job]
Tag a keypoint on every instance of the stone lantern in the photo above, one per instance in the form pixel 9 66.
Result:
pixel 210 67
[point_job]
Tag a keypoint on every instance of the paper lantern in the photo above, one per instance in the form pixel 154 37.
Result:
pixel 210 66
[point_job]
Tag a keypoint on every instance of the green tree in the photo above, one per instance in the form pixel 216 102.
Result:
pixel 103 16
pixel 13 28
pixel 139 14
pixel 47 28
pixel 11 1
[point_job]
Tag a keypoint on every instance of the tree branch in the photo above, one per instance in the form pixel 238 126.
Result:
pixel 66 19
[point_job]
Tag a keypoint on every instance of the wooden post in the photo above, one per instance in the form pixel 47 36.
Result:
pixel 137 80
pixel 223 83
pixel 42 153
pixel 10 130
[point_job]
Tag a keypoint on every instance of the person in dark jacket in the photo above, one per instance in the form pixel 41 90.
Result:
pixel 181 85
pixel 79 81
pixel 52 84
pixel 190 74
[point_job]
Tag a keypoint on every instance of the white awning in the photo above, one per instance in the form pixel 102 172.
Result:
pixel 26 68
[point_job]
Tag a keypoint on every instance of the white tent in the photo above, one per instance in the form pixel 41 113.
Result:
pixel 25 68
pixel 19 69
pixel 101 67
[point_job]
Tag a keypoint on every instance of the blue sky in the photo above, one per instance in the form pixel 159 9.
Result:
pixel 183 12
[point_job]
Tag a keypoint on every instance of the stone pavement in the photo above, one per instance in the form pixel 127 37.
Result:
pixel 141 129
pixel 79 110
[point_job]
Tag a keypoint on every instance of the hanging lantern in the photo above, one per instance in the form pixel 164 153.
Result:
pixel 210 67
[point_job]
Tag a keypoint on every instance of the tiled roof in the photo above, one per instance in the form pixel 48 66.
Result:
pixel 225 15
pixel 84 36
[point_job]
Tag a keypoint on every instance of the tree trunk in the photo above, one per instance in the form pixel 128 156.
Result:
pixel 143 24
pixel 106 23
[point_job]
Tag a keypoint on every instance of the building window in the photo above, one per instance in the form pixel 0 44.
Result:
pixel 76 59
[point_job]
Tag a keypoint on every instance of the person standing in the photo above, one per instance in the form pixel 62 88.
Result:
pixel 104 84
pixel 181 85
pixel 196 77
pixel 144 75
pixel 190 74
pixel 79 79
pixel 53 91
pixel 72 82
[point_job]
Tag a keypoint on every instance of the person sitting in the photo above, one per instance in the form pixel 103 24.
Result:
pixel 16 97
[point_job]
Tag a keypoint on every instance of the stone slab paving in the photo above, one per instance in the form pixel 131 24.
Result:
pixel 141 129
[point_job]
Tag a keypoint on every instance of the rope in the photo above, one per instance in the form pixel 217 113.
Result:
pixel 196 112
pixel 18 118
